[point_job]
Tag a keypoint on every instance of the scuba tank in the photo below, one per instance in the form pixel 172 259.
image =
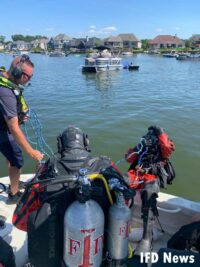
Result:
pixel 118 226
pixel 83 228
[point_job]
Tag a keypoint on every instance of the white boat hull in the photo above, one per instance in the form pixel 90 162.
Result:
pixel 96 68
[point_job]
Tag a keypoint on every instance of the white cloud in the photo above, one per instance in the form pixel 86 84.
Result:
pixel 92 31
pixel 177 28
pixel 159 30
pixel 27 30
pixel 109 29
pixel 92 27
pixel 50 29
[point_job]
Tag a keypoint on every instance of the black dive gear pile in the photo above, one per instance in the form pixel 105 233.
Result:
pixel 7 257
pixel 151 158
pixel 187 238
pixel 54 188
pixel 45 225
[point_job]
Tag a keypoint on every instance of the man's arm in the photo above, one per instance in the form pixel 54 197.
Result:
pixel 21 139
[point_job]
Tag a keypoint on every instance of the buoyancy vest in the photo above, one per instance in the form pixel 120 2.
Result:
pixel 34 196
pixel 22 107
pixel 153 162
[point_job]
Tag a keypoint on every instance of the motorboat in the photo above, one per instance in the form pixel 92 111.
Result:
pixel 131 67
pixel 18 53
pixel 57 54
pixel 188 57
pixel 172 54
pixel 174 212
pixel 127 53
pixel 103 61
pixel 153 52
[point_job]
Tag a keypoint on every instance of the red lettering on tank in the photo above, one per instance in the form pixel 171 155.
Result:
pixel 98 244
pixel 73 246
pixel 123 230
pixel 86 248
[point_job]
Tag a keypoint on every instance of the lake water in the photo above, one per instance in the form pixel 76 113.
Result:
pixel 116 108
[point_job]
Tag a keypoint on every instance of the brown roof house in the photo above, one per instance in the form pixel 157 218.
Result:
pixel 130 41
pixel 166 41
pixel 61 40
pixel 114 42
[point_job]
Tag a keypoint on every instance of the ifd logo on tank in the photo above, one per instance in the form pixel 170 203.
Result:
pixel 87 248
pixel 83 237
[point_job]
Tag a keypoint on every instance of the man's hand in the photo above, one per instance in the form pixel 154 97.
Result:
pixel 25 118
pixel 36 155
pixel 21 139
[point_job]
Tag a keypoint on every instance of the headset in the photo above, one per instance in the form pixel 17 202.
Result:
pixel 17 69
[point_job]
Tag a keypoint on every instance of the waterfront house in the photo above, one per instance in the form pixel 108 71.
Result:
pixel 93 42
pixel 8 46
pixel 41 43
pixel 61 40
pixel 2 46
pixel 78 43
pixel 114 42
pixel 166 41
pixel 50 44
pixel 130 42
pixel 21 46
pixel 195 40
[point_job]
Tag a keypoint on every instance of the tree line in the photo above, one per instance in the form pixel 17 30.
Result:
pixel 25 38
pixel 30 38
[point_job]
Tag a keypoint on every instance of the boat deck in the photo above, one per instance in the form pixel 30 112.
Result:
pixel 173 213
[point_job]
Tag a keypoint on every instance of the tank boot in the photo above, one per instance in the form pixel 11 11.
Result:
pixel 149 211
pixel 145 244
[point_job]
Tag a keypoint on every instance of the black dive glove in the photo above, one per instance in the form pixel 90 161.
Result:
pixel 156 130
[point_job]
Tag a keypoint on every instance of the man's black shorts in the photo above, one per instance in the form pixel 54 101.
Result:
pixel 10 149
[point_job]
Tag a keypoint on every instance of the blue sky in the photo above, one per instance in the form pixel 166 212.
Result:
pixel 80 18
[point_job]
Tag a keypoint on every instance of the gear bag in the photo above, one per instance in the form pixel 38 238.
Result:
pixel 34 195
pixel 7 258
pixel 187 238
pixel 46 225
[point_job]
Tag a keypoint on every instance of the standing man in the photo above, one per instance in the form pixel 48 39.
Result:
pixel 12 113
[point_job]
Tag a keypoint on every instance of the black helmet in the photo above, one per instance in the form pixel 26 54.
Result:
pixel 72 138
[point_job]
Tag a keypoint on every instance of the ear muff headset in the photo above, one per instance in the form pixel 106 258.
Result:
pixel 17 69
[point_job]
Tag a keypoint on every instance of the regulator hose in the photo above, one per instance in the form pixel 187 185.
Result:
pixel 102 178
